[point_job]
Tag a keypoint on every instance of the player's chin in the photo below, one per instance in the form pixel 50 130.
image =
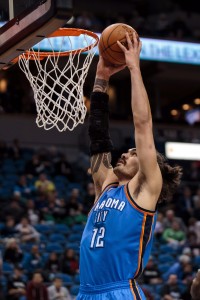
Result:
pixel 117 169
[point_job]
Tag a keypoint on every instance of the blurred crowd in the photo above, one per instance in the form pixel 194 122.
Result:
pixel 45 199
pixel 171 20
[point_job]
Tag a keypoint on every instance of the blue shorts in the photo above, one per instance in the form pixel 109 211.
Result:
pixel 123 290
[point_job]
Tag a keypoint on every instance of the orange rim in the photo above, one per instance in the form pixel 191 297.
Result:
pixel 60 33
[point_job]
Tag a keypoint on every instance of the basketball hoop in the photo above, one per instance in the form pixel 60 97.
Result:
pixel 58 85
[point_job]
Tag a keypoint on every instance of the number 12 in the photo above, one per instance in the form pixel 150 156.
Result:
pixel 97 238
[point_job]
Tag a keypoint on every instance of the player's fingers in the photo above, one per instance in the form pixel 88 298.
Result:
pixel 130 44
pixel 121 46
pixel 135 40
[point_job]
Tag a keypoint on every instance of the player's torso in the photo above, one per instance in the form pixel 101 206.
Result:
pixel 117 239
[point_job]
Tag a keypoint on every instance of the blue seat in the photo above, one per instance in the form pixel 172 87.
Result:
pixel 52 247
pixel 61 228
pixel 3 283
pixel 77 279
pixel 196 261
pixel 164 267
pixel 7 268
pixel 74 290
pixel 44 228
pixel 158 288
pixel 74 237
pixel 163 258
pixel 57 238
pixel 78 228
pixel 166 249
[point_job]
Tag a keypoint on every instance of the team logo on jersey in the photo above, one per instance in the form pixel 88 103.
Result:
pixel 110 203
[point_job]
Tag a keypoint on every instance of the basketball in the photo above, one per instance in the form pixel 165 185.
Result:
pixel 108 46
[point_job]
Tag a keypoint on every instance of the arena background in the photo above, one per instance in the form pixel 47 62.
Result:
pixel 61 207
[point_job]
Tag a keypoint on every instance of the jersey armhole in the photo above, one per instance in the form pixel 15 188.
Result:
pixel 134 204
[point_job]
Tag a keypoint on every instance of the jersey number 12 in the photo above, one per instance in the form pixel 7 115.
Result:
pixel 98 238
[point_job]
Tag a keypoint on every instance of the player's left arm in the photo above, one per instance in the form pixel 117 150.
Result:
pixel 145 146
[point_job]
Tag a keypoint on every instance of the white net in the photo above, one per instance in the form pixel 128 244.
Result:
pixel 57 81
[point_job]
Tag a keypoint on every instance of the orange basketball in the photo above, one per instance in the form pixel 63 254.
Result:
pixel 108 46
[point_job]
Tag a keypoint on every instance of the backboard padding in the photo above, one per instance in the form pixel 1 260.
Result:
pixel 30 27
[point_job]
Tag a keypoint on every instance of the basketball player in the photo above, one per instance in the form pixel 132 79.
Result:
pixel 117 239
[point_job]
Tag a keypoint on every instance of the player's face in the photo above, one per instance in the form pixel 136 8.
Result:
pixel 127 164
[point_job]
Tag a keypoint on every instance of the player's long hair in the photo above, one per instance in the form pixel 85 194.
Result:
pixel 171 178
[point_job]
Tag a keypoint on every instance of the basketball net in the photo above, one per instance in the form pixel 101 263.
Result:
pixel 58 83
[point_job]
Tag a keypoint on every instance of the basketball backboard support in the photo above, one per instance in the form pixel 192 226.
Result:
pixel 28 24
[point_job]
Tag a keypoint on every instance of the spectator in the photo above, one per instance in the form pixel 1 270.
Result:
pixel 147 293
pixel 9 229
pixel 178 267
pixel 69 262
pixel 195 227
pixel 16 285
pixel 57 291
pixel 197 210
pixel 52 265
pixel 23 187
pixel 187 273
pixel 162 24
pixel 27 232
pixel 192 240
pixel 36 289
pixel 15 149
pixel 159 226
pixel 56 209
pixel 13 209
pixel 73 202
pixel 185 206
pixel 174 236
pixel 83 21
pixel 13 254
pixel 151 274
pixel 137 22
pixel 34 260
pixel 63 167
pixel 196 196
pixel 89 198
pixel 170 217
pixel 171 288
pixel 34 166
pixel 31 212
pixel 44 185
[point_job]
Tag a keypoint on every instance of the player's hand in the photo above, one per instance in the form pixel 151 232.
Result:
pixel 132 52
pixel 105 70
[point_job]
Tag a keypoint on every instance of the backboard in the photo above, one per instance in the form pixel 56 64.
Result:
pixel 26 22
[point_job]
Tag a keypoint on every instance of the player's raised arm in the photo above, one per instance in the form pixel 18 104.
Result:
pixel 100 141
pixel 149 170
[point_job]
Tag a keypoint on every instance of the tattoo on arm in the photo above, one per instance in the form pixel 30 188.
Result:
pixel 100 85
pixel 107 160
pixel 96 161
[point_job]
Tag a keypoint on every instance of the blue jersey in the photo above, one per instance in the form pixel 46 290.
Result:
pixel 117 239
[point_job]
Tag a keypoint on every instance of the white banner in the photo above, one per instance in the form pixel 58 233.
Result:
pixel 183 151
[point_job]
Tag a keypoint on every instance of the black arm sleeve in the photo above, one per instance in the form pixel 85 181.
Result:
pixel 99 124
